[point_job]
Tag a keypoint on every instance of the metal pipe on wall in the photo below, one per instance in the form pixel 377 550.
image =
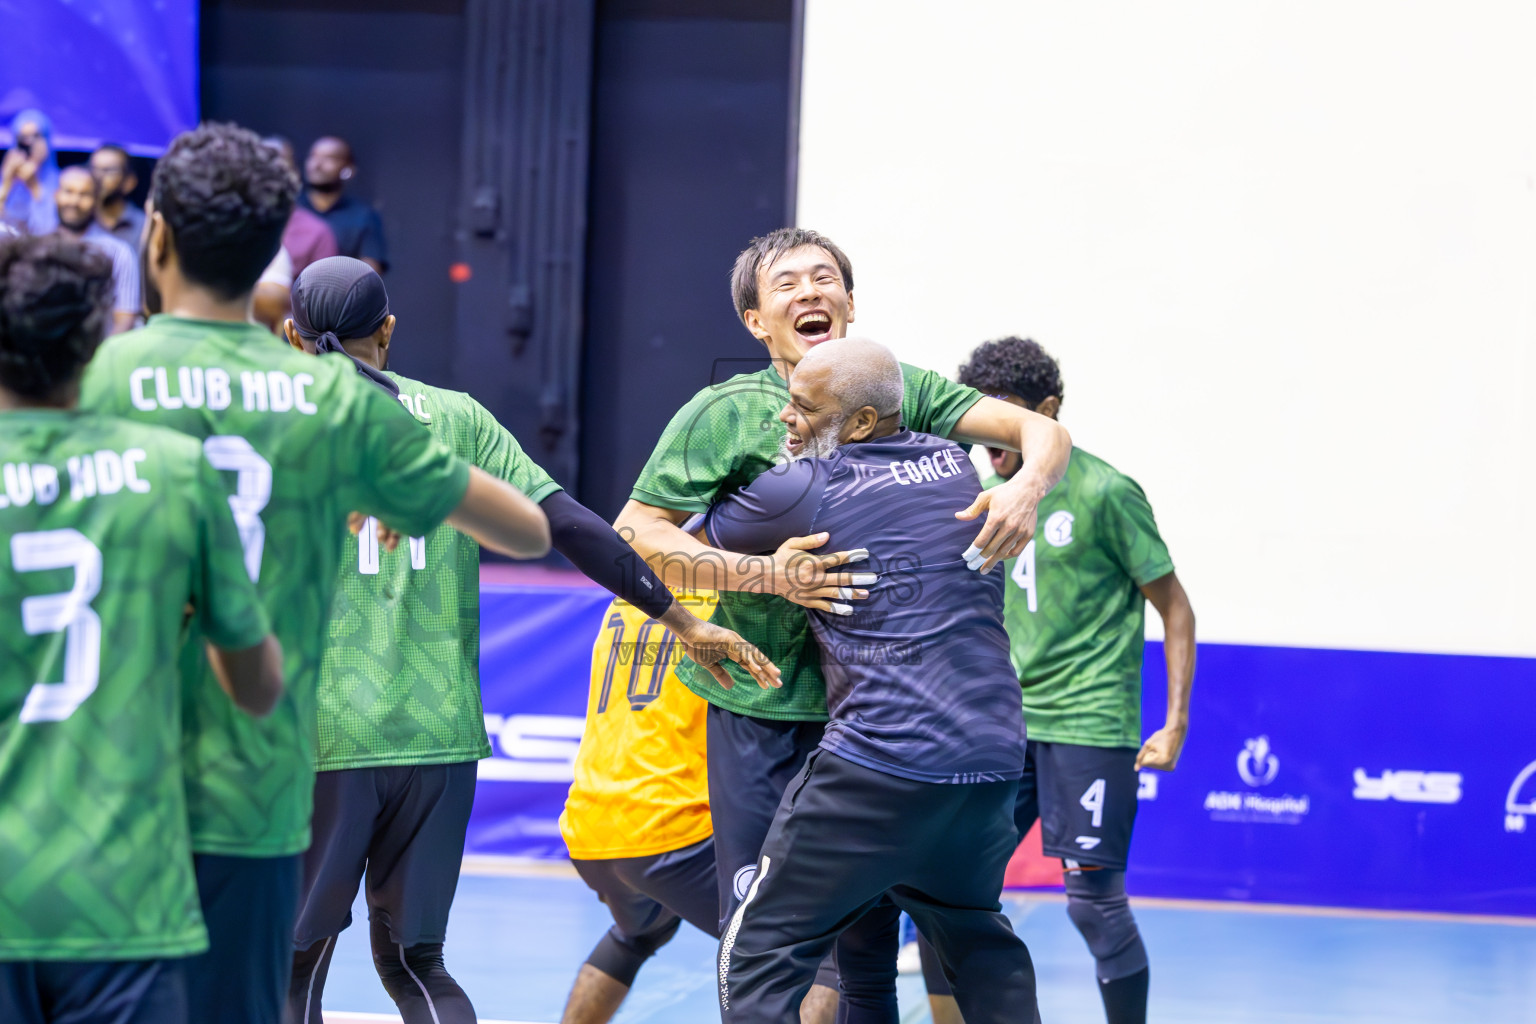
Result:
pixel 522 228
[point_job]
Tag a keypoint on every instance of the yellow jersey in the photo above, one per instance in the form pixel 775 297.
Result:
pixel 641 786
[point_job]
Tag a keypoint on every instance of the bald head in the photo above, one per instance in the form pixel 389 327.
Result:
pixel 856 372
pixel 841 391
pixel 75 198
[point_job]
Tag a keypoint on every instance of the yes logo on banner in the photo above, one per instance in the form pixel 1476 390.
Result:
pixel 1409 787
pixel 531 748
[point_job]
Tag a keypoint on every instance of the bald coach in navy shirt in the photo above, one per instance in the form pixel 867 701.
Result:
pixel 912 789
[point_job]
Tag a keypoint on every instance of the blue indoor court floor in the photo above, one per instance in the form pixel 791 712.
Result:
pixel 518 935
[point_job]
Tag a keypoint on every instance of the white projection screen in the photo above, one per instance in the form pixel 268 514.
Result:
pixel 1283 251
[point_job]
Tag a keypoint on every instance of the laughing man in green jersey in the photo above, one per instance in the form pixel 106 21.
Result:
pixel 400 720
pixel 1075 607
pixel 300 443
pixel 113 529
pixel 794 289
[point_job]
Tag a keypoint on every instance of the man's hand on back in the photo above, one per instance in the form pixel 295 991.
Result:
pixel 1010 509
pixel 807 580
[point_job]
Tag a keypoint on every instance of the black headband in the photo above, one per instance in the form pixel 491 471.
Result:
pixel 339 299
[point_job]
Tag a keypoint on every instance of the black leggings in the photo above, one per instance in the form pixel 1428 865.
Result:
pixel 413 976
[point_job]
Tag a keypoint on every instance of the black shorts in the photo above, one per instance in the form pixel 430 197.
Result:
pixel 403 826
pixel 93 992
pixel 1085 798
pixel 751 762
pixel 647 895
pixel 248 906
pixel 846 835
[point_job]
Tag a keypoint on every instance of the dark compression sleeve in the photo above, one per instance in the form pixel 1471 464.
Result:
pixel 580 535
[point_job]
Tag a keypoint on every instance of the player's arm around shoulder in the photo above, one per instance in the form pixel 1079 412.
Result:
pixel 246 658
pixel 1011 508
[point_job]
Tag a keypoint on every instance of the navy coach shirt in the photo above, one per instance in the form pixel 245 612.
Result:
pixel 919 682
pixel 356 225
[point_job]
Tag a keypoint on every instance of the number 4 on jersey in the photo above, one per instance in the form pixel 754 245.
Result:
pixel 1024 572
pixel 368 549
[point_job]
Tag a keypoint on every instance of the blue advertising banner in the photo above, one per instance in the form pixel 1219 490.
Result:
pixel 102 70
pixel 1337 778
pixel 1346 778
pixel 535 660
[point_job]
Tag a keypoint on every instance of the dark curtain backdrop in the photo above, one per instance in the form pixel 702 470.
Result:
pixel 387 76
pixel 690 149
pixel 689 158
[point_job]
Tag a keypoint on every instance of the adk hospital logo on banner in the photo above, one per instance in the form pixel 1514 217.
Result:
pixel 1258 766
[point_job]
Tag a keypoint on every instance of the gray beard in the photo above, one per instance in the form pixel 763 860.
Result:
pixel 818 446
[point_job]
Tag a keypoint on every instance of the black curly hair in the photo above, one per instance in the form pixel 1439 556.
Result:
pixel 55 303
pixel 226 198
pixel 1015 366
pixel 765 250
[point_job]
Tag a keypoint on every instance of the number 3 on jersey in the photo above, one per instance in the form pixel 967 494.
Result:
pixel 69 612
pixel 1024 572
pixel 253 489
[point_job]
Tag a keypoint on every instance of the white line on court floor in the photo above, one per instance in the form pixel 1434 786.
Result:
pixel 516 867
pixel 386 1018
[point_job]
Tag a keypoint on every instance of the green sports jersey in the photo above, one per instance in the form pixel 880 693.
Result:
pixel 1074 609
pixel 722 440
pixel 400 682
pixel 111 528
pixel 300 441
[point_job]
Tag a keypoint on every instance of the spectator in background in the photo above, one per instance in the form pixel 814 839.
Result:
pixel 307 237
pixel 359 232
pixel 115 182
pixel 75 201
pixel 29 174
